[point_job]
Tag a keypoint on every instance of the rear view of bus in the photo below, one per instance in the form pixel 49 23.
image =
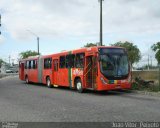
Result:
pixel 114 69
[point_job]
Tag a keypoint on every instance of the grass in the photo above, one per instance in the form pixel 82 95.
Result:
pixel 147 76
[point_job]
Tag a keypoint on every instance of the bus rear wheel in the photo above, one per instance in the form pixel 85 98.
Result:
pixel 48 82
pixel 27 80
pixel 79 86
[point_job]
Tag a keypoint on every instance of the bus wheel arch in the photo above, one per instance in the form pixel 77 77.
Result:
pixel 78 84
pixel 48 82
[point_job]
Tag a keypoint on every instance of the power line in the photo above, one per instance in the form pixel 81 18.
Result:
pixel 0 23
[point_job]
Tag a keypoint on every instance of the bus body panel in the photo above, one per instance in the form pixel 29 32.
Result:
pixel 62 77
pixel 33 75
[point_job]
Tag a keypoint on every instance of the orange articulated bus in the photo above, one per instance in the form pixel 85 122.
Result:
pixel 96 68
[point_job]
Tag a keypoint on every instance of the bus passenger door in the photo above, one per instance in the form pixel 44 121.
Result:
pixel 90 72
pixel 55 72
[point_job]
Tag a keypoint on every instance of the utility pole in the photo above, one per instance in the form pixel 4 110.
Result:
pixel 38 44
pixel 0 23
pixel 101 24
pixel 37 39
pixel 9 59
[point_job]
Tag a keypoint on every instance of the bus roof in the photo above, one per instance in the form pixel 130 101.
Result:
pixel 83 49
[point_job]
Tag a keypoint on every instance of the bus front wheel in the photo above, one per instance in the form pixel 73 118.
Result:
pixel 79 86
pixel 48 82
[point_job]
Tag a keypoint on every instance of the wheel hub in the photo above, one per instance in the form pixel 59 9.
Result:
pixel 79 86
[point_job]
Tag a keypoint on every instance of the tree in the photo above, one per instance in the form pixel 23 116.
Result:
pixel 28 53
pixel 156 48
pixel 90 45
pixel 134 54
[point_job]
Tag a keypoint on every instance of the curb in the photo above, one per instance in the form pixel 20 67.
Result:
pixel 147 93
pixel 2 76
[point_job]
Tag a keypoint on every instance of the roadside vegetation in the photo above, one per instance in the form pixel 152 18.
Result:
pixel 156 48
pixel 145 87
pixel 27 53
pixel 145 81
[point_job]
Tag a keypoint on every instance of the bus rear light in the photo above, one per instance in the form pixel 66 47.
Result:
pixel 103 81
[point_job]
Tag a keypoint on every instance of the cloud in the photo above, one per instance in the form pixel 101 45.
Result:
pixel 138 16
pixel 42 19
pixel 2 39
pixel 78 18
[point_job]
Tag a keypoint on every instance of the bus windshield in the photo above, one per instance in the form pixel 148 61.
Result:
pixel 114 63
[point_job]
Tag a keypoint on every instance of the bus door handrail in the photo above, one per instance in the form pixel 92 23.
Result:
pixel 88 69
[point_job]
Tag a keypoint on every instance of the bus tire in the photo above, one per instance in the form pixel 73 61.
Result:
pixel 48 82
pixel 79 86
pixel 27 80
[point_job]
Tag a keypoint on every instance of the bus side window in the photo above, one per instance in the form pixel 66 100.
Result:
pixel 79 60
pixel 34 64
pixel 29 64
pixel 25 65
pixel 62 62
pixel 47 63
pixel 70 61
pixel 67 61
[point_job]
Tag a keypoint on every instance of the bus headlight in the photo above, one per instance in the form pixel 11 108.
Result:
pixel 103 81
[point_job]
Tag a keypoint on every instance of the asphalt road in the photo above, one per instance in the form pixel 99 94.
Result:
pixel 37 103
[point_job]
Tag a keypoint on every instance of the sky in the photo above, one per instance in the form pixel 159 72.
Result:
pixel 70 24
